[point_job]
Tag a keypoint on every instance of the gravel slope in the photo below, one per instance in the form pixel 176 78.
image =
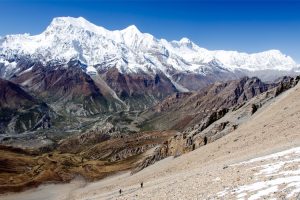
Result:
pixel 215 171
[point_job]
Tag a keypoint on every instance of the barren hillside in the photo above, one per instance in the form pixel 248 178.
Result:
pixel 220 170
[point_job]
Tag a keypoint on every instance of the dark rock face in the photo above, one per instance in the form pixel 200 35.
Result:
pixel 67 86
pixel 186 109
pixel 286 83
pixel 13 97
pixel 139 90
pixel 55 82
pixel 213 117
pixel 19 111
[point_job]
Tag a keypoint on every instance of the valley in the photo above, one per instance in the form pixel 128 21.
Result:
pixel 260 158
pixel 81 105
pixel 116 143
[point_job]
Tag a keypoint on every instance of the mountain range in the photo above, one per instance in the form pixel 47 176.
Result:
pixel 130 52
pixel 79 99
pixel 81 69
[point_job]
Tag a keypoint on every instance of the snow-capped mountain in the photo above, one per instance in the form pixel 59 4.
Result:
pixel 80 69
pixel 130 51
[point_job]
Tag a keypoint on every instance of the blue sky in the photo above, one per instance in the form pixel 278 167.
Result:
pixel 249 26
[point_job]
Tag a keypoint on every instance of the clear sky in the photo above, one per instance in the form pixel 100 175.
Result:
pixel 245 25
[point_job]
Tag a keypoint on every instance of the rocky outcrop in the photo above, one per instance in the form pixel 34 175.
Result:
pixel 217 124
pixel 184 110
pixel 212 118
pixel 159 153
pixel 78 143
pixel 122 154
pixel 125 146
pixel 286 83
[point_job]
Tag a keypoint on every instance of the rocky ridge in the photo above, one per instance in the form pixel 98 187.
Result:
pixel 217 124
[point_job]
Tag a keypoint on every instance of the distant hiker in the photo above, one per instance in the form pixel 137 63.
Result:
pixel 205 140
pixel 120 191
pixel 142 184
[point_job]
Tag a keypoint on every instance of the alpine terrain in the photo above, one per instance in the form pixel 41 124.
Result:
pixel 81 104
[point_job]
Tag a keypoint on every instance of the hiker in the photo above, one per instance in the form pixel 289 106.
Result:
pixel 120 191
pixel 142 184
pixel 205 140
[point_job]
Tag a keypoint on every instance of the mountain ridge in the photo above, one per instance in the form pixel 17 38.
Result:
pixel 131 51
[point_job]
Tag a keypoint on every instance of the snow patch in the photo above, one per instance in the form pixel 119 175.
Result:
pixel 278 170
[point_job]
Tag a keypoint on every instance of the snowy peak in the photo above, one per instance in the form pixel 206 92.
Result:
pixel 76 22
pixel 130 50
pixel 132 30
pixel 69 24
pixel 131 36
pixel 182 42
pixel 63 25
pixel 185 40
